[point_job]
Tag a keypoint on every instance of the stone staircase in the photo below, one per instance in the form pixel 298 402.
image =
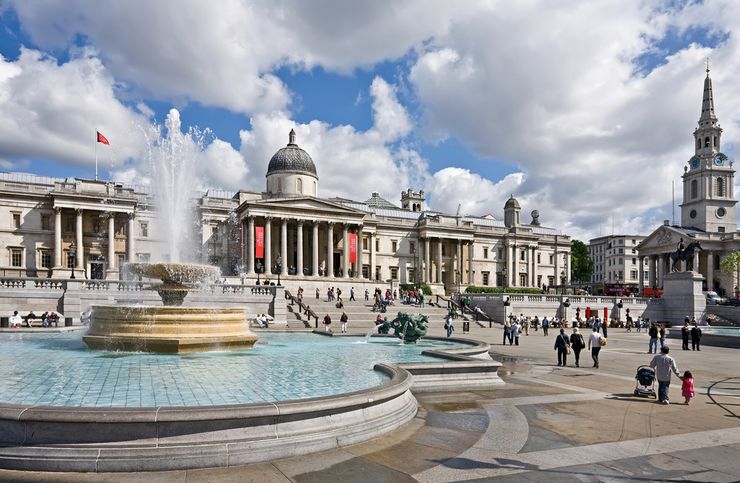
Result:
pixel 361 316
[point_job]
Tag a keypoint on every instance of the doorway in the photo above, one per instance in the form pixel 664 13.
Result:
pixel 97 267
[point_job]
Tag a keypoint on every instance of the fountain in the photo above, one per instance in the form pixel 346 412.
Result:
pixel 170 328
pixel 408 328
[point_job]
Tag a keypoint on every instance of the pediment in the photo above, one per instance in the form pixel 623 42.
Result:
pixel 663 239
pixel 301 205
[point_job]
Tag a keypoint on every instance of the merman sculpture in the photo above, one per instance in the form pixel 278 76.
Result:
pixel 409 328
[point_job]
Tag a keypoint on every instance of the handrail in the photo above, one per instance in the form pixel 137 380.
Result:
pixel 304 308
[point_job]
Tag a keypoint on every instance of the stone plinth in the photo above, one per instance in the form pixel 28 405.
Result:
pixel 683 297
pixel 168 329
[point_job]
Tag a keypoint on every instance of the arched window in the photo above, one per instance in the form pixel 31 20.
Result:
pixel 694 188
pixel 716 141
pixel 720 187
pixel 299 186
pixel 706 142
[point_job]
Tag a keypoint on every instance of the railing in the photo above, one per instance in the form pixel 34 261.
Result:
pixel 32 283
pixel 307 311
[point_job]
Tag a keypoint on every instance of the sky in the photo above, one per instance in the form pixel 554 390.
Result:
pixel 583 110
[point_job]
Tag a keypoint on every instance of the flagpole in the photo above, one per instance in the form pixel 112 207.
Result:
pixel 96 155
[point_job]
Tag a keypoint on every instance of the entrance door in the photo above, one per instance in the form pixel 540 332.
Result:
pixel 337 263
pixel 97 267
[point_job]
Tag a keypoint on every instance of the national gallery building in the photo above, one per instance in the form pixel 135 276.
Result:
pixel 87 229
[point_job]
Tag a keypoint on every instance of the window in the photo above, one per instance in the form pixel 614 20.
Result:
pixel 500 253
pixel 522 279
pixel 716 141
pixel 634 261
pixel 377 244
pixel 538 260
pixel 694 188
pixel 620 275
pixel 394 273
pixel 621 251
pixel 365 245
pixel 486 275
pixel 411 277
pixel 44 259
pixel 214 233
pixel 720 187
pixel 144 229
pixel 706 142
pixel 144 257
pixel 633 274
pixel 46 222
pixel 16 220
pixel 121 259
pixel 16 257
pixel 299 186
pixel 71 259
pixel 412 248
pixel 634 242
pixel 721 229
pixel 523 255
pixel 485 252
pixel 394 246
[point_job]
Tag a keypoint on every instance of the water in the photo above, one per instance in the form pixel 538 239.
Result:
pixel 172 158
pixel 726 331
pixel 58 370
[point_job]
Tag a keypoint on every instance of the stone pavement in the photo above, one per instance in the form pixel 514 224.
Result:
pixel 546 424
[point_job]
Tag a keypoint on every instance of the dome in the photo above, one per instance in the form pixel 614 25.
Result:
pixel 512 203
pixel 291 159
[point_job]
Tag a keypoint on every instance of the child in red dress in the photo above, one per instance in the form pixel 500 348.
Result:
pixel 687 387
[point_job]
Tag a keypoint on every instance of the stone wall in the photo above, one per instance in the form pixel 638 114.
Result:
pixel 72 297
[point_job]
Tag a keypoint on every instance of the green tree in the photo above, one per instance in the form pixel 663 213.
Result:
pixel 731 266
pixel 581 267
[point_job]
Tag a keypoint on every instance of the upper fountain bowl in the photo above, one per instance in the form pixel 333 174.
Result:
pixel 178 273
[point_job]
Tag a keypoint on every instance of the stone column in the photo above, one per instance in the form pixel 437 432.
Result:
pixel 112 242
pixel 330 250
pixel 641 275
pixel 299 248
pixel 345 250
pixel 471 275
pixel 358 263
pixel 458 263
pixel 661 269
pixel 249 259
pixel 439 260
pixel 710 270
pixel 512 266
pixel 651 271
pixel 535 268
pixel 696 261
pixel 80 257
pixel 284 246
pixel 315 249
pixel 268 246
pixel 57 237
pixel 427 261
pixel 131 238
pixel 371 241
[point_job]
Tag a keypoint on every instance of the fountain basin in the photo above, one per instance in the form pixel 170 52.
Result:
pixel 168 329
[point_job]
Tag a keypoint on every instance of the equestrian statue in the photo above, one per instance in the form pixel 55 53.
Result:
pixel 686 254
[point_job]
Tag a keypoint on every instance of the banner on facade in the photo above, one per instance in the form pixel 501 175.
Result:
pixel 259 242
pixel 353 248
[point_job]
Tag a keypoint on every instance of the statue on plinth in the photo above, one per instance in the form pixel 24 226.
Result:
pixel 685 254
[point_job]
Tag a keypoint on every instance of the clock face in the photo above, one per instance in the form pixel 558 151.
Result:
pixel 692 214
pixel 721 212
pixel 719 159
pixel 694 162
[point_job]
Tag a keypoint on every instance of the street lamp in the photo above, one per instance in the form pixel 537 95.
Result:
pixel 258 267
pixel 73 252
pixel 506 280
pixel 279 267
pixel 562 281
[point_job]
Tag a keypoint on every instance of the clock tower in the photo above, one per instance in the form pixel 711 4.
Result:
pixel 708 178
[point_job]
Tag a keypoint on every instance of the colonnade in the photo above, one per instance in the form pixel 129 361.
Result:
pixel 660 265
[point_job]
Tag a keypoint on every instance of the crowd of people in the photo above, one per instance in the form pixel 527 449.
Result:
pixel 47 319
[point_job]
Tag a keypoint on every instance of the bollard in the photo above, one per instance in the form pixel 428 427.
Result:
pixel 4 322
pixel 68 321
pixel 466 327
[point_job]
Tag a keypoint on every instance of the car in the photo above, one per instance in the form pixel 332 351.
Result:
pixel 713 298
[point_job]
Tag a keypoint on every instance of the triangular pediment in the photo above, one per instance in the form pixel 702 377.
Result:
pixel 664 239
pixel 303 205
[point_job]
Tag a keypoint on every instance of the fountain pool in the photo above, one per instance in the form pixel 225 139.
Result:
pixel 280 367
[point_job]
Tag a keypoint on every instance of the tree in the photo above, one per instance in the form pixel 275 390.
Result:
pixel 731 266
pixel 581 267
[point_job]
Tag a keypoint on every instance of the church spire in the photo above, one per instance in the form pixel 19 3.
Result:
pixel 707 104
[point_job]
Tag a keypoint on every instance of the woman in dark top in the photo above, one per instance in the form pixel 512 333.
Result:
pixel 562 343
pixel 577 343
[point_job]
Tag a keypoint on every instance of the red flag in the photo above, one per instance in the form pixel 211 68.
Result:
pixel 259 238
pixel 353 248
pixel 101 138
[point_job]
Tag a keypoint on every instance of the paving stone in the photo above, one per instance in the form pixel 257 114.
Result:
pixel 355 470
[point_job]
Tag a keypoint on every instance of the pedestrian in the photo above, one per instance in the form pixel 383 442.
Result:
pixel 448 326
pixel 664 365
pixel 695 337
pixel 578 344
pixel 638 324
pixel 327 323
pixel 604 326
pixel 339 294
pixel 662 332
pixel 685 333
pixel 367 295
pixel 343 319
pixel 687 387
pixel 536 323
pixel 515 332
pixel 317 293
pixel 507 331
pixel 562 345
pixel 545 326
pixel 352 294
pixel 421 299
pixel 653 333
pixel 525 326
pixel 594 345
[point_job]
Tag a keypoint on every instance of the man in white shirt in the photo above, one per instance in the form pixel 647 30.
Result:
pixel 664 365
pixel 15 320
pixel 594 345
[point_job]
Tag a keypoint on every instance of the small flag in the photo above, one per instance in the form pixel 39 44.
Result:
pixel 102 139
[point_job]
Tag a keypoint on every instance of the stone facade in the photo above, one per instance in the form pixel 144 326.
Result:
pixel 616 260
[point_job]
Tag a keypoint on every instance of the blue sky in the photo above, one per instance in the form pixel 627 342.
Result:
pixel 464 113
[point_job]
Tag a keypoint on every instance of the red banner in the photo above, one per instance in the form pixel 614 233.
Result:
pixel 259 242
pixel 353 248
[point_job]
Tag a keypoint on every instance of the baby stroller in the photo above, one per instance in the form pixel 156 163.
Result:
pixel 645 385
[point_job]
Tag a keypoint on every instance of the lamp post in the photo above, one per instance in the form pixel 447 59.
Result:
pixel 279 268
pixel 504 272
pixel 258 267
pixel 562 282
pixel 73 252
